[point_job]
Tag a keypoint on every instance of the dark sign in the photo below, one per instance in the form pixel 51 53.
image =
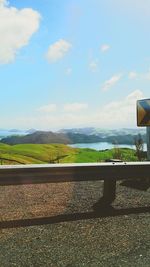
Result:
pixel 143 112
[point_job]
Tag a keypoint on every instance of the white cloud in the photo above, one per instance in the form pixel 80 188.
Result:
pixel 75 107
pixel 111 82
pixel 115 114
pixel 139 76
pixel 48 108
pixel 93 65
pixel 58 50
pixel 105 48
pixel 122 112
pixel 3 2
pixel 16 28
pixel 133 75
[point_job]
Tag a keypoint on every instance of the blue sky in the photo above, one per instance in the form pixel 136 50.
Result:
pixel 71 63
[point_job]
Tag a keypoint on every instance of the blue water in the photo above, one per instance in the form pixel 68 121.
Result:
pixel 103 146
pixel 5 133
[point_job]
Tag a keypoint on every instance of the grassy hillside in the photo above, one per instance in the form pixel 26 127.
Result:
pixel 34 153
pixel 57 153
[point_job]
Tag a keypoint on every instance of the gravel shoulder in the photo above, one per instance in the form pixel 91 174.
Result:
pixel 121 240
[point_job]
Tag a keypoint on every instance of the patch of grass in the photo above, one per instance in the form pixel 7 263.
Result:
pixel 35 153
pixel 59 153
pixel 85 155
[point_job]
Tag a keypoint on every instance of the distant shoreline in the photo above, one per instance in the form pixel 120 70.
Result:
pixel 104 145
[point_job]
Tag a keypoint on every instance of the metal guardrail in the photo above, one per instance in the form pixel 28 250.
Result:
pixel 58 173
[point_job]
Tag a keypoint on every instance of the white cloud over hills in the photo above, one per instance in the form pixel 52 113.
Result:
pixel 16 29
pixel 121 113
pixel 115 114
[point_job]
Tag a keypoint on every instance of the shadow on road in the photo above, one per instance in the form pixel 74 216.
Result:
pixel 97 213
pixel 140 184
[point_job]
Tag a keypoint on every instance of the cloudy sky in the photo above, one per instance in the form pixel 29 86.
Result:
pixel 73 63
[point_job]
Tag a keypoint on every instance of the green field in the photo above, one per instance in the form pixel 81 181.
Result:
pixel 58 153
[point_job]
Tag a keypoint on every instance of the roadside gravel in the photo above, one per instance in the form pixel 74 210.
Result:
pixel 121 240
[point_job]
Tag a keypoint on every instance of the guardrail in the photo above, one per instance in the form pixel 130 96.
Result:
pixel 58 173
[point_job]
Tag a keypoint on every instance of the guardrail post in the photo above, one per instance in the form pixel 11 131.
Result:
pixel 148 141
pixel 109 194
pixel 109 191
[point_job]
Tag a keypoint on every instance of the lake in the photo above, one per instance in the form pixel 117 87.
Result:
pixel 5 133
pixel 103 146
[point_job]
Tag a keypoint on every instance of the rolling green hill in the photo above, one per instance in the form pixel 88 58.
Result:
pixel 57 153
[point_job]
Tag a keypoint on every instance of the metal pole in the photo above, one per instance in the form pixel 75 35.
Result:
pixel 148 142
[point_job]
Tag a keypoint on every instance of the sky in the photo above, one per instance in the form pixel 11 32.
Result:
pixel 73 63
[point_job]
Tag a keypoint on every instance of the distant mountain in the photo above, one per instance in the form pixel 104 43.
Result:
pixel 39 137
pixel 22 131
pixel 42 137
pixel 15 131
pixel 86 130
pixel 104 133
pixel 30 131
